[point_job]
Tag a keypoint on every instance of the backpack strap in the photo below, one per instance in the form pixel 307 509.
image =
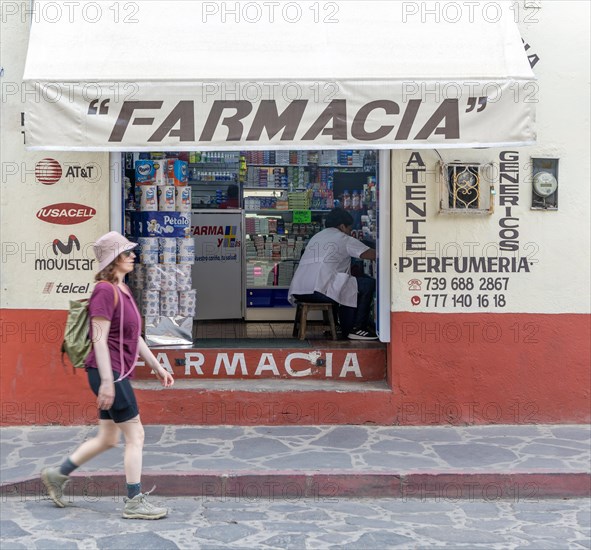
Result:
pixel 116 299
pixel 121 361
pixel 123 374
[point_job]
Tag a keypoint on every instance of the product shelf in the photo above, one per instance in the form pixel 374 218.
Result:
pixel 254 260
pixel 309 165
pixel 276 189
pixel 204 183
pixel 276 210
pixel 267 287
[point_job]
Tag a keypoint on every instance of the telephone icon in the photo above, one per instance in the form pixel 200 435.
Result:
pixel 414 285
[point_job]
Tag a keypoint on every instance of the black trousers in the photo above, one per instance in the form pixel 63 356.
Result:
pixel 349 317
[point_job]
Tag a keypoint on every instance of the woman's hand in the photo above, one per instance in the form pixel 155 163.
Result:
pixel 106 395
pixel 161 373
pixel 164 376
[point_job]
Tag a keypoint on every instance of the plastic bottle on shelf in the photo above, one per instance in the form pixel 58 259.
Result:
pixel 346 200
pixel 355 203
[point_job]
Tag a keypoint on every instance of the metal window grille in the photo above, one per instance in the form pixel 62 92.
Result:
pixel 465 189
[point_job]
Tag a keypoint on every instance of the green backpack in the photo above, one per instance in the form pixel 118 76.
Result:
pixel 77 343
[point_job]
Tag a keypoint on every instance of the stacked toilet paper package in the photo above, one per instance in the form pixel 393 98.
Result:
pixel 162 281
pixel 161 186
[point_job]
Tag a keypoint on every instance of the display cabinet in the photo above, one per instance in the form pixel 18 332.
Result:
pixel 274 242
pixel 286 197
pixel 215 179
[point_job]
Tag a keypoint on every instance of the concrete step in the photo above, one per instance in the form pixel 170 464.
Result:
pixel 444 463
pixel 265 402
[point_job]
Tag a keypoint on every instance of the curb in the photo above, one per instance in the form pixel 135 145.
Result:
pixel 253 485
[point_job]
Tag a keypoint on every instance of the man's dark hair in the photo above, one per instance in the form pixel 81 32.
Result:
pixel 338 216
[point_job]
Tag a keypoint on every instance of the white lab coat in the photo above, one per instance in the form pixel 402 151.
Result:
pixel 326 265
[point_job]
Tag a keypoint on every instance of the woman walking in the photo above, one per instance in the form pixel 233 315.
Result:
pixel 117 343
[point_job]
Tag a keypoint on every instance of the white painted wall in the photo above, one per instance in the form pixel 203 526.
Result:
pixel 557 242
pixel 25 238
pixel 559 282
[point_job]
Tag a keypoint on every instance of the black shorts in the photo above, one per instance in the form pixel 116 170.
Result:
pixel 124 406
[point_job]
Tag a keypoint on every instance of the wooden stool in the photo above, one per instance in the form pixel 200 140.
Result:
pixel 301 318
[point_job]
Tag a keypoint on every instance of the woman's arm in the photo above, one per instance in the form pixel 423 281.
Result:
pixel 162 374
pixel 100 334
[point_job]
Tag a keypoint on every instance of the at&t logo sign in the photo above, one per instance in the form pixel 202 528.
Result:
pixel 48 171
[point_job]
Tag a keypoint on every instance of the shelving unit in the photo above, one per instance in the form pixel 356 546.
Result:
pixel 272 183
pixel 284 197
pixel 210 179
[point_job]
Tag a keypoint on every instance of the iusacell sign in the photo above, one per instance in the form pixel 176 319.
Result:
pixel 66 213
pixel 181 115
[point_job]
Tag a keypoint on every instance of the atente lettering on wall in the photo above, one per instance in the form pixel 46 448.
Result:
pixel 415 203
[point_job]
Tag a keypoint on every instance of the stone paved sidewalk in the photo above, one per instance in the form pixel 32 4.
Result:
pixel 221 452
pixel 372 524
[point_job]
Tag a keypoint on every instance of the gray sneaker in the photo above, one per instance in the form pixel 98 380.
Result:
pixel 54 483
pixel 138 507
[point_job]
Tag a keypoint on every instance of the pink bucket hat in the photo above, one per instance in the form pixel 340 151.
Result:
pixel 109 246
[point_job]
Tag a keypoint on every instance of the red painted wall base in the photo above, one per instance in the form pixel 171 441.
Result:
pixel 490 368
pixel 442 369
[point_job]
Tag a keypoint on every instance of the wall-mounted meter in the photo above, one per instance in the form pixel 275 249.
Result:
pixel 544 184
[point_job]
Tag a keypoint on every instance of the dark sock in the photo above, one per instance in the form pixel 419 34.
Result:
pixel 133 489
pixel 67 467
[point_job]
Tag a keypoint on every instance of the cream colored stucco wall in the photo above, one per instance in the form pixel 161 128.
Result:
pixel 556 243
pixel 26 281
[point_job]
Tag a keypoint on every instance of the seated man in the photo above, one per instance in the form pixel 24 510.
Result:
pixel 323 275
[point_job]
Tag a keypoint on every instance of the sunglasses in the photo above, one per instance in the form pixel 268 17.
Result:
pixel 127 253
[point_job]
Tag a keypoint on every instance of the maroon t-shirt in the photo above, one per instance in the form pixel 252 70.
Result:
pixel 102 304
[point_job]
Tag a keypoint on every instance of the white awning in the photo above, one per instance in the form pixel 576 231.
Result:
pixel 177 75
